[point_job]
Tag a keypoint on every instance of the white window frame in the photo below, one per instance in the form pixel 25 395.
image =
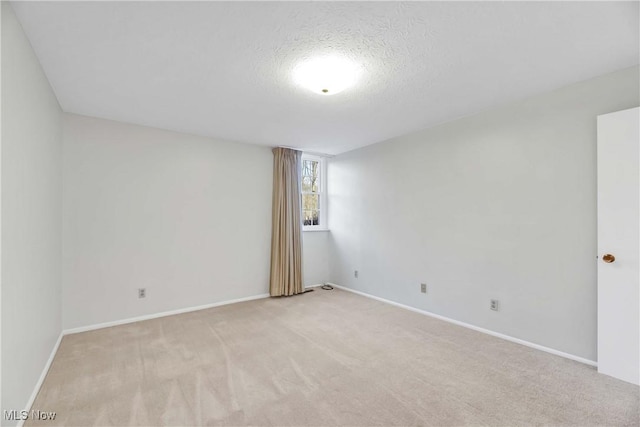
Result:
pixel 322 215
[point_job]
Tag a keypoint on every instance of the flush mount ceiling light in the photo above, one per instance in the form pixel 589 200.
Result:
pixel 326 75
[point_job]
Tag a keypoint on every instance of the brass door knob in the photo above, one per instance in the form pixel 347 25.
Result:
pixel 608 258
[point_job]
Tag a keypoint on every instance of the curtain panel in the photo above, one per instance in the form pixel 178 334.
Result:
pixel 286 232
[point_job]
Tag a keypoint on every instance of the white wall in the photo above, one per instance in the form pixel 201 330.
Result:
pixel 499 205
pixel 315 257
pixel 186 217
pixel 31 216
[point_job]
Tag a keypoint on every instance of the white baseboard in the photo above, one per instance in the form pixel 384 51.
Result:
pixel 161 314
pixel 475 328
pixel 43 375
pixel 314 286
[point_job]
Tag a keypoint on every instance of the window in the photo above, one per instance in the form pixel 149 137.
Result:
pixel 314 206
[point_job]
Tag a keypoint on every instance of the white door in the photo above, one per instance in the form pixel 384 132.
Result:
pixel 619 245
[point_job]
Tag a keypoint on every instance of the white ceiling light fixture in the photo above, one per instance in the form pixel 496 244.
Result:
pixel 326 75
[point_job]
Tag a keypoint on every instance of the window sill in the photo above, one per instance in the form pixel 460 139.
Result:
pixel 314 229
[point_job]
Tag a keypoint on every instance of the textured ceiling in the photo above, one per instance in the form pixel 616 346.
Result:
pixel 223 69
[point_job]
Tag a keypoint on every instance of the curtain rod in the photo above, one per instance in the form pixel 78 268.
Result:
pixel 313 153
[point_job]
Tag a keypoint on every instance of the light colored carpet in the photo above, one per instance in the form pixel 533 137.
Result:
pixel 323 358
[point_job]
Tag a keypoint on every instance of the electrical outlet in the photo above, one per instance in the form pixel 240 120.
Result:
pixel 494 305
pixel 423 288
pixel 355 273
pixel 142 293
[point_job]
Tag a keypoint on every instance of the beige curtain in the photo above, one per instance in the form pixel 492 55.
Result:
pixel 286 233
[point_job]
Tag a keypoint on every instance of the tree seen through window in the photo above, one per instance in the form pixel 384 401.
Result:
pixel 311 192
